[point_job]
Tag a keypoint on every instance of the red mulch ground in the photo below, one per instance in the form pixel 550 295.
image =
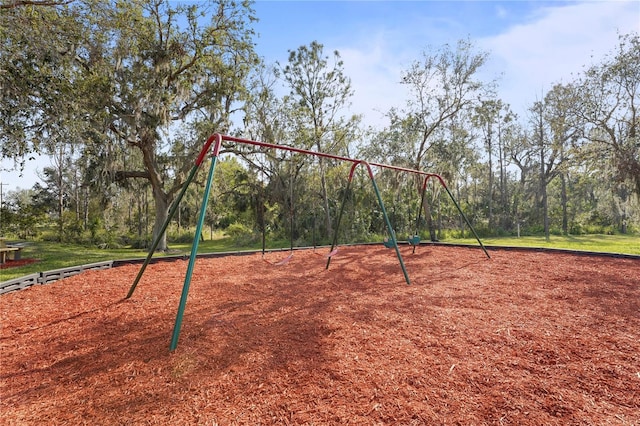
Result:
pixel 526 338
pixel 15 263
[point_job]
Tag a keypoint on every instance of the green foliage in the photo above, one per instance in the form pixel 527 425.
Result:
pixel 136 69
pixel 241 235
pixel 137 242
pixel 181 238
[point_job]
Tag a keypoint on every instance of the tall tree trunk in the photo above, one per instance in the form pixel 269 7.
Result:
pixel 76 194
pixel 179 219
pixel 161 202
pixel 85 207
pixel 543 194
pixel 60 168
pixel 130 212
pixel 431 225
pixel 564 201
pixel 161 199
pixel 60 205
pixel 139 198
pixel 504 208
pixel 489 142
pixel 543 178
pixel 624 197
pixel 146 212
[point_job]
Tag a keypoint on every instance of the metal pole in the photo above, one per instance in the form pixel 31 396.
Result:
pixel 194 251
pixel 154 245
pixel 172 212
pixel 463 215
pixel 423 191
pixel 386 219
pixel 334 243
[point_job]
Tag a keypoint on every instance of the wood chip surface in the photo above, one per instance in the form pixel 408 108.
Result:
pixel 523 338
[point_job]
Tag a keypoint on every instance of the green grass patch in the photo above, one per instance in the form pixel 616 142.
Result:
pixel 624 244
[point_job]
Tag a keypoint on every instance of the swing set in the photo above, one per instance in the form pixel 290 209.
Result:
pixel 216 140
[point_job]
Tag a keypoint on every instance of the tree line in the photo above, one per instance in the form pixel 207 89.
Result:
pixel 122 95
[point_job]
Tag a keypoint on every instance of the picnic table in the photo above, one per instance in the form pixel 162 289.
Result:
pixel 8 251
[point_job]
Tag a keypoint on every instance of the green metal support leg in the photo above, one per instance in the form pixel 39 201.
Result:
pixel 174 208
pixel 154 245
pixel 384 213
pixel 192 257
pixel 465 219
pixel 389 228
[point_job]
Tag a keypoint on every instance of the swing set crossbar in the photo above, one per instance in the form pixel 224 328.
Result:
pixel 214 143
pixel 325 155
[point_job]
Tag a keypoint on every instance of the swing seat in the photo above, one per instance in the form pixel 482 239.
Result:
pixel 414 240
pixel 285 260
pixel 389 243
pixel 280 262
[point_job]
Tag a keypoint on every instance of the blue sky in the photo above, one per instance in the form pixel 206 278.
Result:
pixel 531 44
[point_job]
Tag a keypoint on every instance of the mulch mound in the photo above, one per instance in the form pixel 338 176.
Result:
pixel 524 338
pixel 15 263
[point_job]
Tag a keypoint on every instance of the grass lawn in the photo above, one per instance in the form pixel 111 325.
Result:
pixel 54 255
pixel 626 244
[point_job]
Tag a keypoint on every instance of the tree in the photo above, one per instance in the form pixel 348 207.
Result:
pixel 553 130
pixel 609 103
pixel 11 4
pixel 487 115
pixel 546 172
pixel 563 127
pixel 320 92
pixel 142 70
pixel 507 130
pixel 57 181
pixel 442 84
pixel 23 211
pixel 40 103
pixel 521 153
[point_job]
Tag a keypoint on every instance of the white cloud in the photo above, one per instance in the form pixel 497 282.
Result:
pixel 501 12
pixel 375 75
pixel 556 44
pixel 552 45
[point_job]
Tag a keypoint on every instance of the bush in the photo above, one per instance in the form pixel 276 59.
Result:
pixel 241 235
pixel 49 236
pixel 182 238
pixel 138 242
pixel 576 229
pixel 105 239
